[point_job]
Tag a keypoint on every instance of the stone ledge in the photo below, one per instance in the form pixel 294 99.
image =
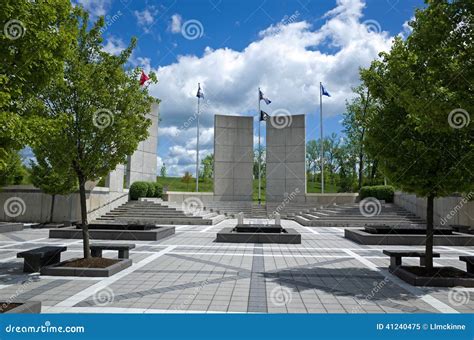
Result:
pixel 103 234
pixel 57 270
pixel 425 281
pixel 362 237
pixel 290 237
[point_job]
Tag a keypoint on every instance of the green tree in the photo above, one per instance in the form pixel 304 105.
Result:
pixel 331 148
pixel 96 113
pixel 208 167
pixel 163 171
pixel 13 172
pixel 421 132
pixel 35 39
pixel 345 166
pixel 312 157
pixel 359 112
pixel 187 178
pixel 52 180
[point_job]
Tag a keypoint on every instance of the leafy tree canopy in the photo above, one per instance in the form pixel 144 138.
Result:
pixel 422 129
pixel 33 45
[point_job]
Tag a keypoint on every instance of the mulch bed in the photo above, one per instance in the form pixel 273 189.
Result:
pixel 93 262
pixel 445 272
pixel 5 306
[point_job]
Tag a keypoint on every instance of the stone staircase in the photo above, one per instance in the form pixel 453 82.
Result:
pixel 259 211
pixel 159 212
pixel 350 215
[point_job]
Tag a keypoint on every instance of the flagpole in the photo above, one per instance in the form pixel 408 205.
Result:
pixel 259 153
pixel 197 143
pixel 322 141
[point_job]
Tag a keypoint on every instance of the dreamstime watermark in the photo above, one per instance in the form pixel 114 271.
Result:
pixel 190 121
pixel 47 327
pixel 103 297
pixel 453 212
pixel 459 296
pixel 286 20
pixel 102 118
pixel 288 198
pixel 372 26
pixel 290 19
pixel 378 286
pixel 281 296
pixel 192 206
pixel 192 29
pixel 189 299
pixel 463 25
pixel 109 20
pixel 459 118
pixel 20 290
pixel 370 207
pixel 14 207
pixel 14 29
pixel 281 118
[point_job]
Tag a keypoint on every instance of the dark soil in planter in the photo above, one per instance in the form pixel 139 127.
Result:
pixel 5 306
pixel 444 272
pixel 93 262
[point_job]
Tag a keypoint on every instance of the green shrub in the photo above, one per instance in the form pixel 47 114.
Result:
pixel 138 189
pixel 380 192
pixel 158 189
pixel 151 189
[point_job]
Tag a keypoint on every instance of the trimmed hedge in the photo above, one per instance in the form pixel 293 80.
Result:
pixel 158 189
pixel 145 189
pixel 138 189
pixel 380 192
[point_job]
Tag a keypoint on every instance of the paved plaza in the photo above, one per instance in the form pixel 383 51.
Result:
pixel 189 272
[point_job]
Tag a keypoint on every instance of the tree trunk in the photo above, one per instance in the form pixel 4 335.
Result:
pixel 51 213
pixel 85 226
pixel 429 232
pixel 361 168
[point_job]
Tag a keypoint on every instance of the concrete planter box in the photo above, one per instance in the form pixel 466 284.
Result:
pixel 57 270
pixel 362 237
pixel 105 234
pixel 26 307
pixel 228 235
pixel 424 281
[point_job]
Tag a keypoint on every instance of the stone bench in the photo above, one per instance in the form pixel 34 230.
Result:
pixel 397 255
pixel 469 263
pixel 37 258
pixel 123 249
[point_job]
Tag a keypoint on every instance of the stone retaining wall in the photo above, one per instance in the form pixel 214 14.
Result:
pixel 25 203
pixel 450 210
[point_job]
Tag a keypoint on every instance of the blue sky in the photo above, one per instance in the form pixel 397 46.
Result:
pixel 284 46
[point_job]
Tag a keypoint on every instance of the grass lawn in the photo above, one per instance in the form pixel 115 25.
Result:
pixel 176 184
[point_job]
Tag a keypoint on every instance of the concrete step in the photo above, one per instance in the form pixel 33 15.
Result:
pixel 170 221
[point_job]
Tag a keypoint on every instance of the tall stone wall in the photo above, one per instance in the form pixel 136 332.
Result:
pixel 286 151
pixel 233 158
pixel 143 163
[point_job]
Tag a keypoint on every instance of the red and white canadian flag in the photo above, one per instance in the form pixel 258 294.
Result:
pixel 143 78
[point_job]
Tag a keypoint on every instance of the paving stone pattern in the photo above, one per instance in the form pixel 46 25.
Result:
pixel 189 272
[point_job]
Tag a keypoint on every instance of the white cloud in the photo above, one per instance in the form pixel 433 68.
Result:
pixel 146 18
pixel 114 45
pixel 406 29
pixel 175 25
pixel 286 62
pixel 96 8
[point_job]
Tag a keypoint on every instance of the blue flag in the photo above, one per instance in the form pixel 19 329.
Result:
pixel 324 92
pixel 199 94
pixel 262 97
